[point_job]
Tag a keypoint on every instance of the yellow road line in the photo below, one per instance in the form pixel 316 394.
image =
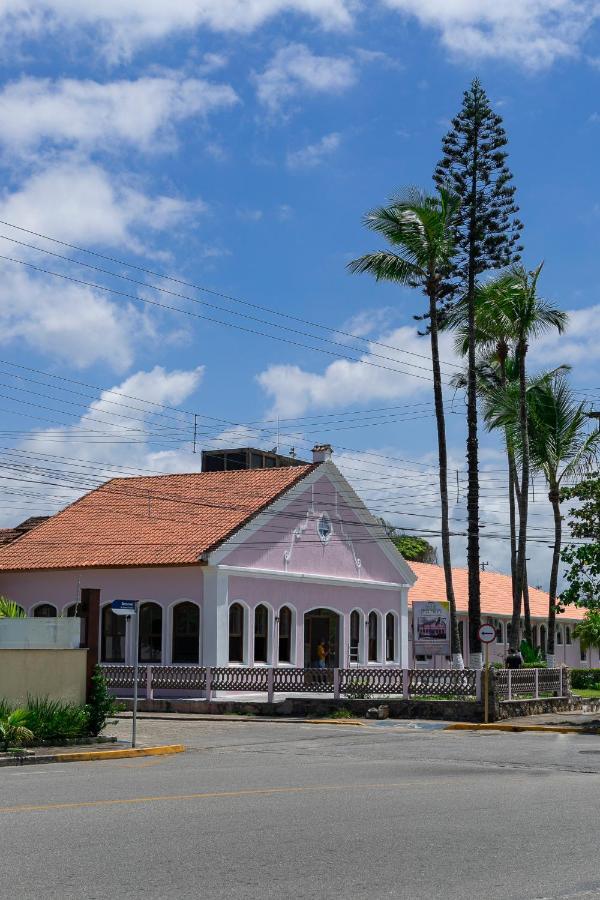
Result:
pixel 209 795
pixel 124 753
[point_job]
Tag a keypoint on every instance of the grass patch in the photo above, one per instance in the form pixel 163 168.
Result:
pixel 588 693
pixel 341 714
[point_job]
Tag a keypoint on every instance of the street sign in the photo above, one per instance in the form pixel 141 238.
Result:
pixel 487 634
pixel 130 608
pixel 124 607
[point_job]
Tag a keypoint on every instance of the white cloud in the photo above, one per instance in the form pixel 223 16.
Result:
pixel 294 390
pixel 65 320
pixel 535 33
pixel 294 70
pixel 578 346
pixel 126 426
pixel 125 25
pixel 38 111
pixel 80 203
pixel 314 154
pixel 365 323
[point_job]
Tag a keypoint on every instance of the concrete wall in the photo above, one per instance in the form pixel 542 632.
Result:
pixel 50 634
pixel 57 674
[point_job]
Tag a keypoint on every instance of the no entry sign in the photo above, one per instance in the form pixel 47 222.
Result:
pixel 487 634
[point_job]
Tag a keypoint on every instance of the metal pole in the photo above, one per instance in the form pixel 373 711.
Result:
pixel 486 698
pixel 136 631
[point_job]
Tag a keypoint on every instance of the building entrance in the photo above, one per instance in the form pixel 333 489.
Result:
pixel 321 626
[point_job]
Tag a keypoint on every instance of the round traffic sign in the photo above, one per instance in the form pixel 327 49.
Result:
pixel 487 634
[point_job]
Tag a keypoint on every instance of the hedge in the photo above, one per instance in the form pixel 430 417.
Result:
pixel 585 678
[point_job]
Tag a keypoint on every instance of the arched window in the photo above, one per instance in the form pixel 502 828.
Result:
pixel 236 633
pixel 285 635
pixel 261 633
pixel 113 636
pixel 186 633
pixel 508 633
pixel 45 611
pixel 542 639
pixel 534 636
pixel 390 637
pixel 499 632
pixel 559 639
pixel 373 637
pixel 150 644
pixel 567 635
pixel 72 610
pixel 354 636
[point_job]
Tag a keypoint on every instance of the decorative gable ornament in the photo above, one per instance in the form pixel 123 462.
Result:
pixel 324 527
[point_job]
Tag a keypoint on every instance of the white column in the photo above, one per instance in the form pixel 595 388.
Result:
pixel 215 619
pixel 403 660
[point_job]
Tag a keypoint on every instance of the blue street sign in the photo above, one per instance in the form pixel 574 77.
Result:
pixel 124 607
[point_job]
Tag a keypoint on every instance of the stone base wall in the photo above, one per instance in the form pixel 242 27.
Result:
pixel 446 710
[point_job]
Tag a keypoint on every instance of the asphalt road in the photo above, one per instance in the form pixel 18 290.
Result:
pixel 255 810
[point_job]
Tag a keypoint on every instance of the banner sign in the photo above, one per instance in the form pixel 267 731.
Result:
pixel 431 626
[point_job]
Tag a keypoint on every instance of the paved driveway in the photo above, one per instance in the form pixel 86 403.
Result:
pixel 284 810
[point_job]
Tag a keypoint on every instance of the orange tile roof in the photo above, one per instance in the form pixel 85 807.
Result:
pixel 149 521
pixel 496 592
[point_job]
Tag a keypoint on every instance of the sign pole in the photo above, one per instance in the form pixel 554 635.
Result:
pixel 486 680
pixel 486 634
pixel 136 633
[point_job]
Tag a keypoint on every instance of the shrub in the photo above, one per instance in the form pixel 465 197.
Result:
pixel 357 689
pixel 585 678
pixel 55 719
pixel 102 705
pixel 14 731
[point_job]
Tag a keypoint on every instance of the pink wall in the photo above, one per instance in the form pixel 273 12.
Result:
pixel 308 554
pixel 62 587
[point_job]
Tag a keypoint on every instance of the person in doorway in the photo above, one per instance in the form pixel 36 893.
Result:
pixel 321 655
pixel 514 659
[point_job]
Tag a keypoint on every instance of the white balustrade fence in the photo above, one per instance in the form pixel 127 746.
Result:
pixel 439 684
pixel 531 684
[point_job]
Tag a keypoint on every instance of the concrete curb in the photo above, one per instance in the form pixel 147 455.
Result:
pixel 93 755
pixel 542 729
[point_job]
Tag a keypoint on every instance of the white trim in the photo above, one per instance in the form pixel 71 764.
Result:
pixel 329 470
pixel 246 571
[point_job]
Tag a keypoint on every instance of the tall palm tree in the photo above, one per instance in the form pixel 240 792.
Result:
pixel 510 311
pixel 560 447
pixel 421 230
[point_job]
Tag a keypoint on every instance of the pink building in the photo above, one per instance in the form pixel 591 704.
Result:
pixel 267 566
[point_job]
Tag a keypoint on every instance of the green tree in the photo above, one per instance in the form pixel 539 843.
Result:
pixel 413 549
pixel 582 556
pixel 588 631
pixel 561 447
pixel 421 230
pixel 474 167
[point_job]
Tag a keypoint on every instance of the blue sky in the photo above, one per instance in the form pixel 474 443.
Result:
pixel 236 145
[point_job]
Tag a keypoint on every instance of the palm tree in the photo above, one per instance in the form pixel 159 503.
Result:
pixel 10 610
pixel 509 314
pixel 421 230
pixel 560 447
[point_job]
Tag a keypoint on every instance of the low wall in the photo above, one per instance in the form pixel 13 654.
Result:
pixel 446 710
pixel 57 674
pixel 53 634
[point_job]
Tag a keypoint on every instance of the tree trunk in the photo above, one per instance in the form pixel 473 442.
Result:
pixel 554 498
pixel 455 648
pixel 475 659
pixel 527 608
pixel 523 498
